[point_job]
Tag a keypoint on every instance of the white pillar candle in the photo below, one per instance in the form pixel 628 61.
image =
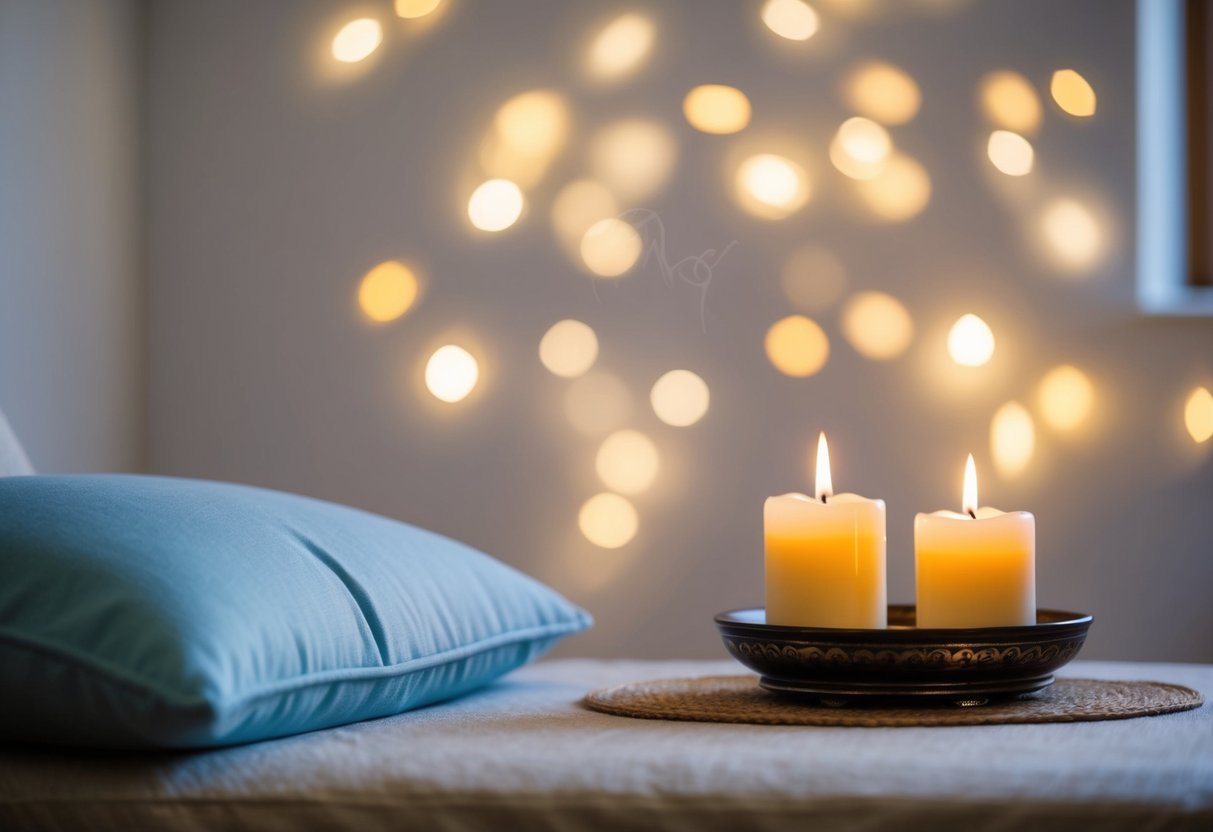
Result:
pixel 976 568
pixel 825 557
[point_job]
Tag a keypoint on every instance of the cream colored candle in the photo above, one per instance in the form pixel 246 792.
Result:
pixel 825 557
pixel 976 569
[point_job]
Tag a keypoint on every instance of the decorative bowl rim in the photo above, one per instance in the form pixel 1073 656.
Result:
pixel 1055 620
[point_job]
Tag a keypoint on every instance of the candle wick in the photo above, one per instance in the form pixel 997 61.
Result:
pixel 823 498
pixel 973 514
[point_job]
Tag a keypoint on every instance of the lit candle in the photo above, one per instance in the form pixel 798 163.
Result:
pixel 825 557
pixel 978 568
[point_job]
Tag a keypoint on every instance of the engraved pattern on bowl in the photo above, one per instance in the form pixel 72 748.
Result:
pixel 904 660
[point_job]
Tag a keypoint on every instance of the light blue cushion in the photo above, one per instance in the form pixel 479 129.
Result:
pixel 144 611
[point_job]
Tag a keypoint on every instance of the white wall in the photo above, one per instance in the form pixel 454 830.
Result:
pixel 275 184
pixel 70 287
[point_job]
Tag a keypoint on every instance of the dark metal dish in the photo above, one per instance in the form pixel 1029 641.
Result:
pixel 956 666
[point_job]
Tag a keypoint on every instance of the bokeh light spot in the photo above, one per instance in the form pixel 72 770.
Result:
pixel 1010 101
pixel 771 187
pixel 495 205
pixel 533 123
pixel 860 148
pixel 621 47
pixel 451 373
pixel 1066 397
pixel 717 109
pixel 569 348
pixel 596 403
pixel 899 192
pixel 356 40
pixel 1198 415
pixel 877 325
pixel 1010 152
pixel 611 247
pixel 627 462
pixel 608 520
pixel 1072 93
pixel 882 92
pixel 1072 233
pixel 813 278
pixel 579 205
pixel 1012 439
pixel 797 346
pixel 680 398
pixel 971 341
pixel 410 9
pixel 387 291
pixel 528 132
pixel 633 157
pixel 791 19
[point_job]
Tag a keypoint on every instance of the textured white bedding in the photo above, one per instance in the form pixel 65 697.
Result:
pixel 523 754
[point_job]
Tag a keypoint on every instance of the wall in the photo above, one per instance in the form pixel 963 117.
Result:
pixel 278 178
pixel 70 285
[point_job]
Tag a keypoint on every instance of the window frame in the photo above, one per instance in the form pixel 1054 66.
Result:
pixel 1163 271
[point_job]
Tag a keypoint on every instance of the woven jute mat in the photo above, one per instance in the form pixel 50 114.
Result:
pixel 740 699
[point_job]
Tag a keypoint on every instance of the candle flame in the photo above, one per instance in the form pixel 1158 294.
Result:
pixel 969 500
pixel 825 485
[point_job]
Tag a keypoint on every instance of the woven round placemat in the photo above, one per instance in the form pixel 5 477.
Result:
pixel 740 699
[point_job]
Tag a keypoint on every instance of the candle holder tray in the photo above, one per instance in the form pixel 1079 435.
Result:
pixel 965 667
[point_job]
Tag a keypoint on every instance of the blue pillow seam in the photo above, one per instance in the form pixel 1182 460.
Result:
pixel 412 665
pixel 118 677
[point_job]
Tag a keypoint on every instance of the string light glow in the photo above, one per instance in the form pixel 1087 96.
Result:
pixel 1012 439
pixel 608 520
pixel 791 19
pixel 356 40
pixel 387 291
pixel 568 349
pixel 771 187
pixel 1072 234
pixel 882 92
pixel 971 341
pixel 495 205
pixel 1010 152
pixel 621 47
pixel 797 346
pixel 528 132
pixel 579 205
pixel 1010 102
pixel 611 247
pixel 627 462
pixel 717 109
pixel 1198 415
pixel 411 9
pixel 680 398
pixel 860 148
pixel 634 158
pixel 533 123
pixel 1072 93
pixel 899 192
pixel 451 373
pixel 1066 397
pixel 877 325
